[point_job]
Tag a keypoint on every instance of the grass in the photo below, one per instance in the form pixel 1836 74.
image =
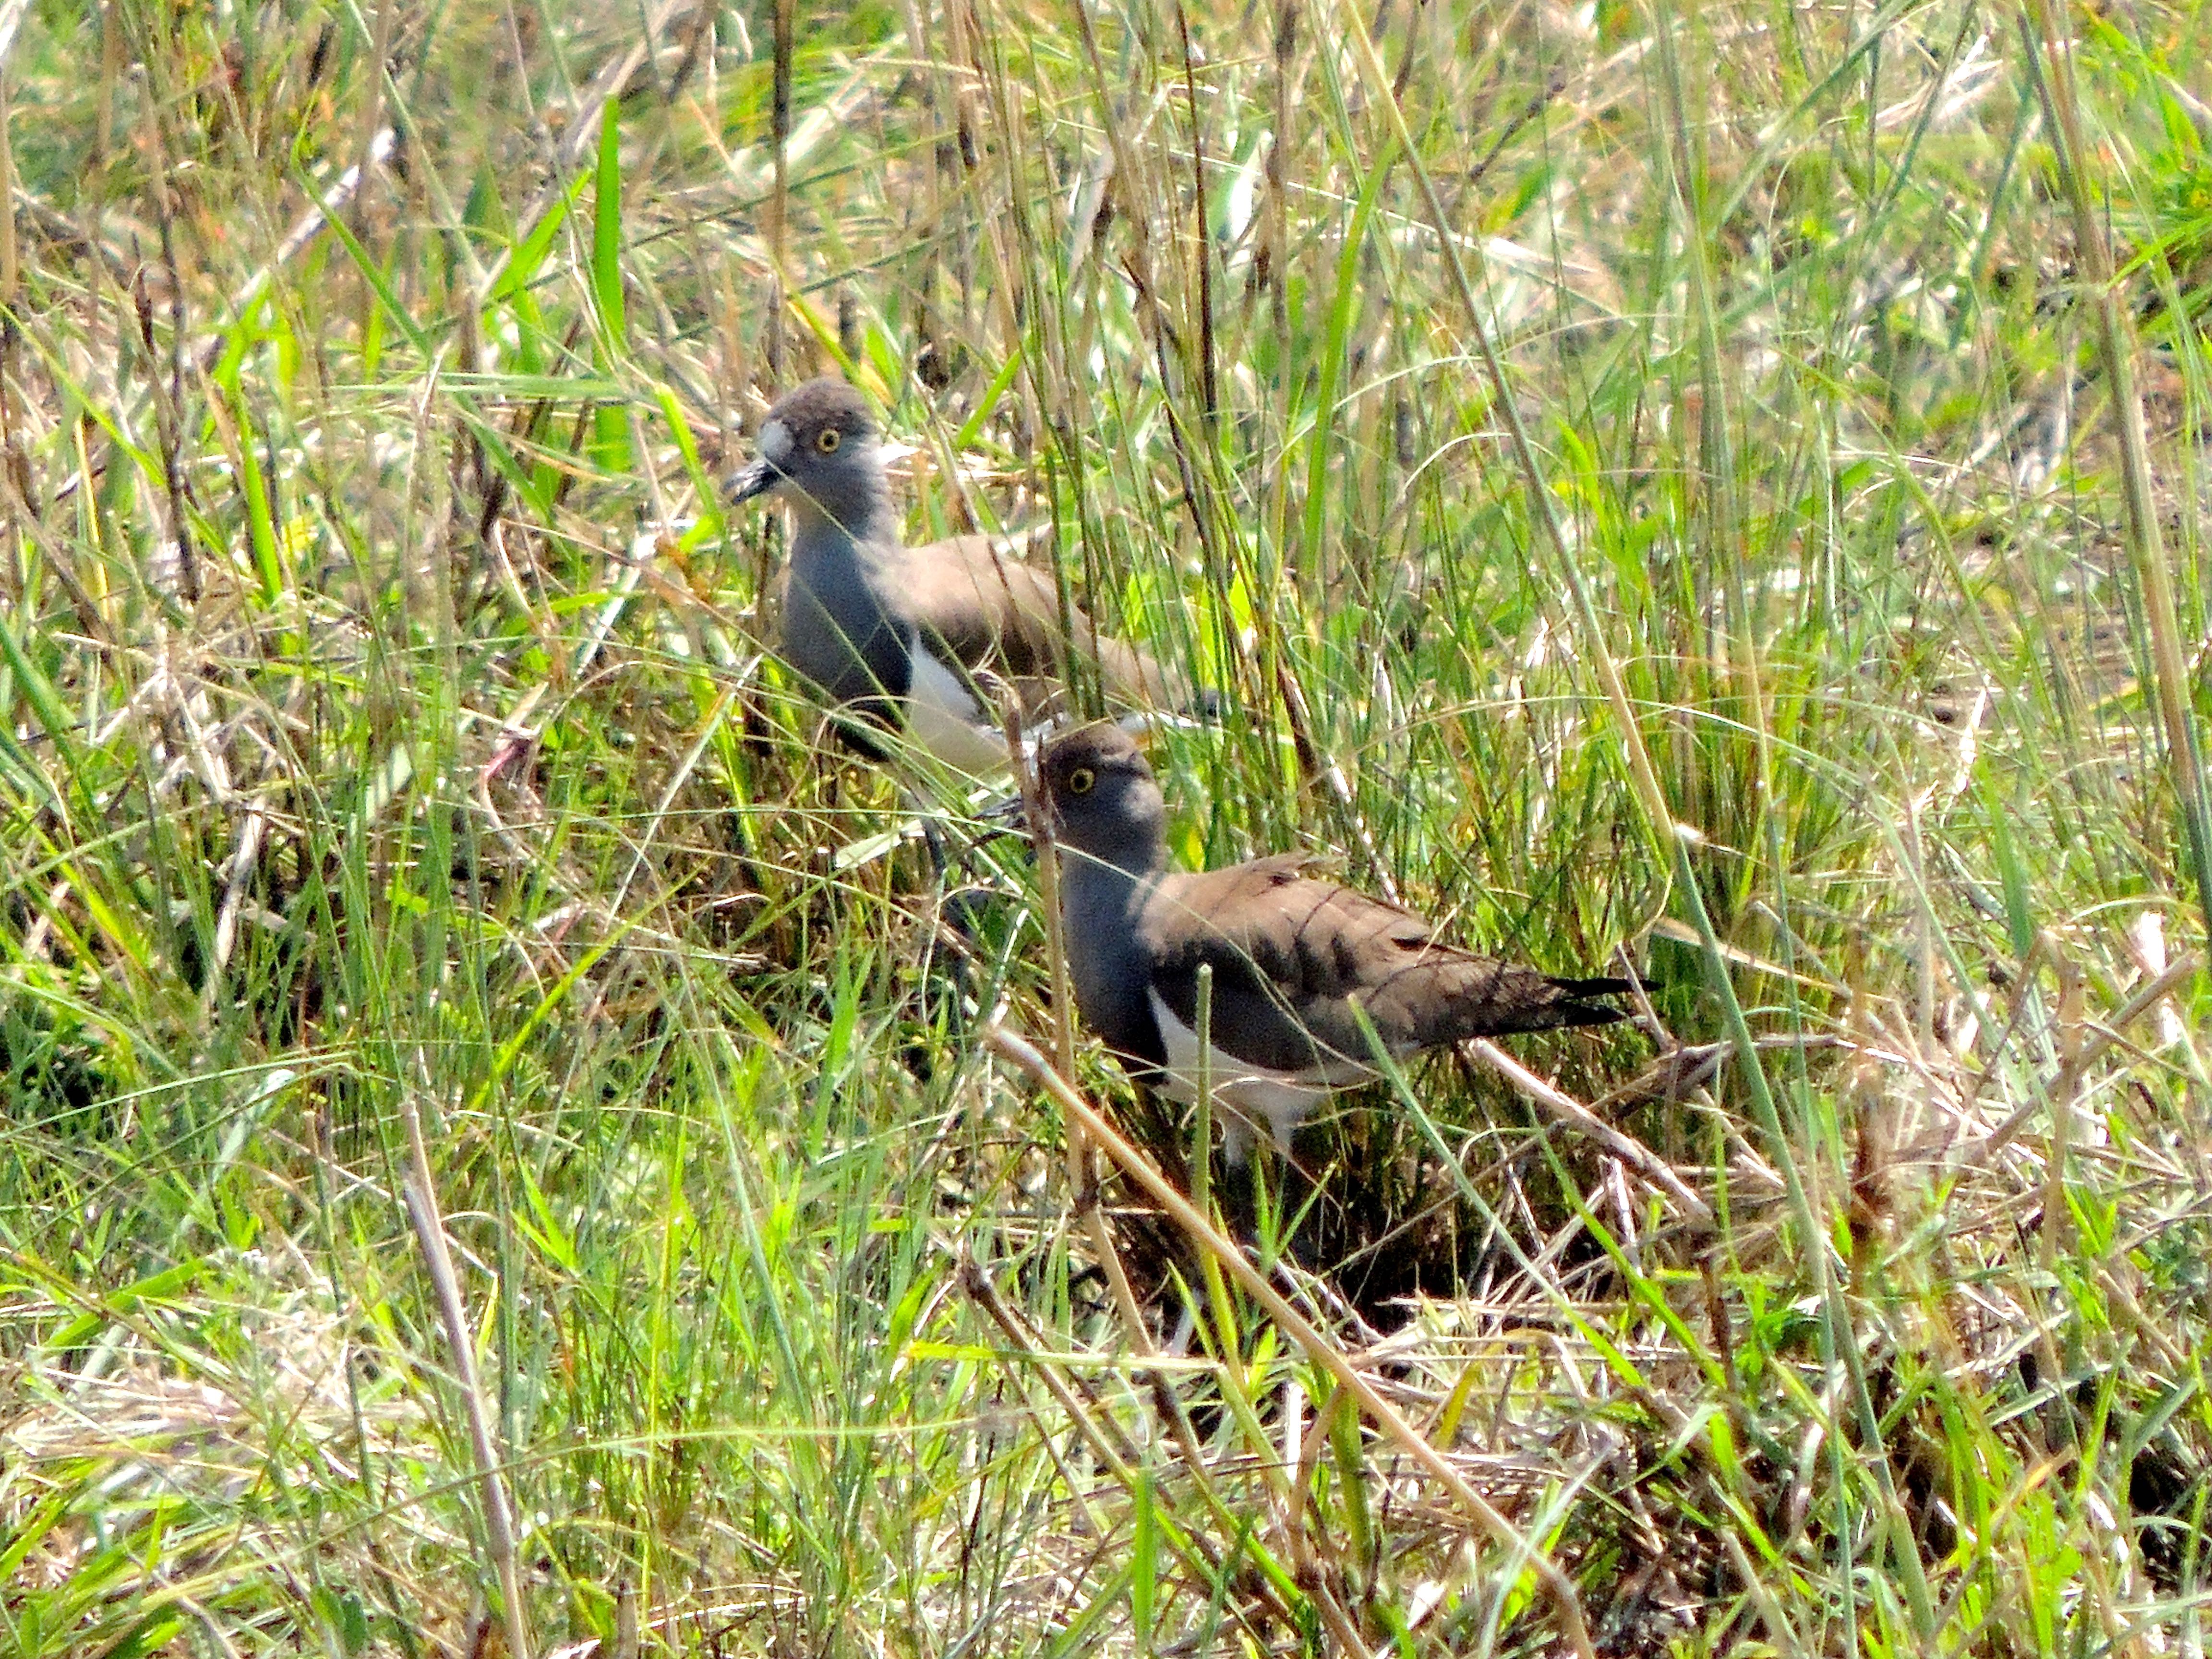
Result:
pixel 408 838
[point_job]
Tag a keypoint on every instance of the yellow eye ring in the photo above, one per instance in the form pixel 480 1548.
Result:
pixel 828 438
pixel 1082 780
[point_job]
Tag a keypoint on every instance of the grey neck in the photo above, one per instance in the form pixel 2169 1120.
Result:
pixel 842 539
pixel 1100 906
pixel 1094 891
pixel 845 627
pixel 855 508
pixel 1104 883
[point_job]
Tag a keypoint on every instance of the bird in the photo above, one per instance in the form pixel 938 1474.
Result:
pixel 1297 960
pixel 903 637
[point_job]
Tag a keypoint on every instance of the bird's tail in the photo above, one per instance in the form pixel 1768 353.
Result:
pixel 1593 987
pixel 1573 1009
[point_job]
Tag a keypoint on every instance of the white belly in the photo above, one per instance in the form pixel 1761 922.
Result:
pixel 944 718
pixel 1251 1095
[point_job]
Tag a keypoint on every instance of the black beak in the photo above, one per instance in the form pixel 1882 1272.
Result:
pixel 748 482
pixel 1010 816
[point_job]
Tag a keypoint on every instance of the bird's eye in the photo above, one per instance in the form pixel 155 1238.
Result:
pixel 1082 780
pixel 828 438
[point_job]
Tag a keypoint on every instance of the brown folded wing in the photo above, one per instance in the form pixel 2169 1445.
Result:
pixel 991 611
pixel 1293 957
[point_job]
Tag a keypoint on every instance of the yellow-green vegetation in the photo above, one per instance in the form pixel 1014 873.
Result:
pixel 505 1143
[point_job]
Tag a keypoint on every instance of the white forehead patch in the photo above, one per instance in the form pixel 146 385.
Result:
pixel 775 442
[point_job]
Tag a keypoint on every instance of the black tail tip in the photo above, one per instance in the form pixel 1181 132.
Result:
pixel 1593 987
pixel 1575 1009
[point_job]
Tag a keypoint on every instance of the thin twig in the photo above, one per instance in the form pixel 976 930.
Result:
pixel 1082 1167
pixel 1567 1110
pixel 421 1194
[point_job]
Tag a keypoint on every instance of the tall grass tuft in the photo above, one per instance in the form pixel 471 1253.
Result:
pixel 1715 491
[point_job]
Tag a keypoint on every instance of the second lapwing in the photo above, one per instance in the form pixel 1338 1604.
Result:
pixel 1297 960
pixel 899 638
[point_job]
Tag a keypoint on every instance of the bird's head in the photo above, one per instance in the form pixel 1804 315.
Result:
pixel 1104 801
pixel 819 447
